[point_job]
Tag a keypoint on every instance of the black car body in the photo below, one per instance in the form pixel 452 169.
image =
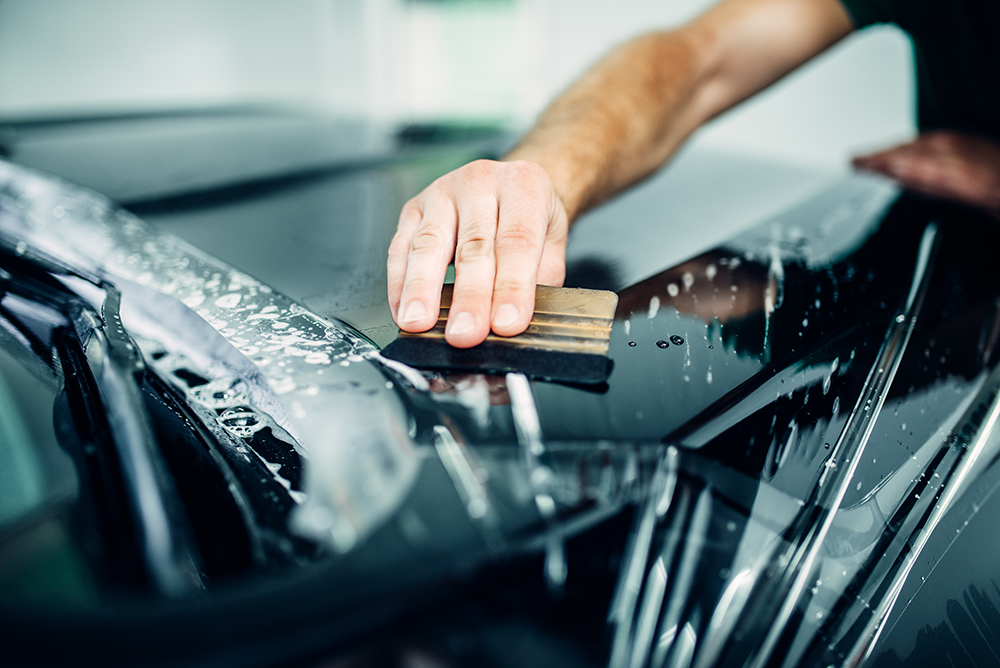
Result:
pixel 792 463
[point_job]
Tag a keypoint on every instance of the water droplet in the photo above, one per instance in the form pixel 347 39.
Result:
pixel 631 344
pixel 193 300
pixel 219 393
pixel 282 384
pixel 676 340
pixel 654 307
pixel 228 301
pixel 662 344
pixel 688 279
pixel 21 248
pixel 710 272
pixel 708 376
pixel 241 421
pixel 477 509
pixel 317 358
pixel 672 289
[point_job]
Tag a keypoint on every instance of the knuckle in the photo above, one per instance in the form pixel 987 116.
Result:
pixel 511 287
pixel 478 173
pixel 481 166
pixel 474 248
pixel 412 206
pixel 428 237
pixel 399 246
pixel 518 236
pixel 411 211
pixel 525 171
pixel 557 235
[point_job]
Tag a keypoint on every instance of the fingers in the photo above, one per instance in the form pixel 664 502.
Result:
pixel 919 165
pixel 944 164
pixel 552 268
pixel 927 159
pixel 887 161
pixel 475 269
pixel 425 247
pixel 399 250
pixel 530 249
pixel 505 228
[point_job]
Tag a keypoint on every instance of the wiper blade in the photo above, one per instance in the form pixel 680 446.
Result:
pixel 115 367
pixel 114 363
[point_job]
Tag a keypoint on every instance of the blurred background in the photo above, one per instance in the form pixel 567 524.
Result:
pixel 494 62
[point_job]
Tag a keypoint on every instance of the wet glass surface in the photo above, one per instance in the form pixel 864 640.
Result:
pixel 793 422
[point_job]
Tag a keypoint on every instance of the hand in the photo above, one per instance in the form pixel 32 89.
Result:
pixel 953 165
pixel 505 227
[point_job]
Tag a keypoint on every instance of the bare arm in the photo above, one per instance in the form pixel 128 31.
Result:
pixel 505 223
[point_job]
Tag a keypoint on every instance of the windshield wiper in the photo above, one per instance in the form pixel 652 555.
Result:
pixel 114 366
pixel 115 363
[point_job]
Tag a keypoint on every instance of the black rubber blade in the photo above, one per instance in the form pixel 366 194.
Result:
pixel 498 358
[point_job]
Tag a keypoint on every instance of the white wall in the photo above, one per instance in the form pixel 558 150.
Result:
pixel 114 54
pixel 397 60
pixel 856 96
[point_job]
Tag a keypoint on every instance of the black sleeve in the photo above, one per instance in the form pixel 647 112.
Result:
pixel 868 12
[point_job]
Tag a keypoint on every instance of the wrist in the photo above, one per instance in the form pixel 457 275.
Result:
pixel 563 181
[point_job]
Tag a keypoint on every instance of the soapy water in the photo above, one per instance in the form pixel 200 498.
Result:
pixel 299 363
pixel 247 313
pixel 241 421
pixel 219 393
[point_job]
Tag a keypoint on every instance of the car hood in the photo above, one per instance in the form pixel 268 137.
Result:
pixel 795 416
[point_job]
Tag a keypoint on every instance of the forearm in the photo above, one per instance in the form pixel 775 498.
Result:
pixel 504 224
pixel 620 122
pixel 631 112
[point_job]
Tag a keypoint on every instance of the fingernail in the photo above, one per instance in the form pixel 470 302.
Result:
pixel 461 323
pixel 415 312
pixel 506 316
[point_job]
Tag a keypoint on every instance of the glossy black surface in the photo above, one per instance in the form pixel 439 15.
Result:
pixel 691 495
